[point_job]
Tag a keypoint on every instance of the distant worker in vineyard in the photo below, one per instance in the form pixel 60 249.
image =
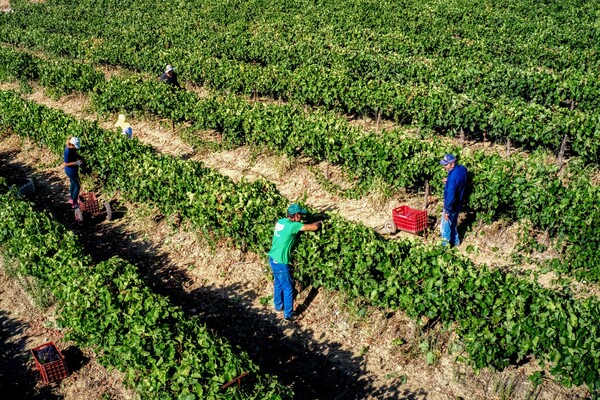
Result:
pixel 125 127
pixel 284 237
pixel 72 162
pixel 454 191
pixel 170 76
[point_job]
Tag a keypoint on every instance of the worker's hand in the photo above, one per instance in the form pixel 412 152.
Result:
pixel 445 180
pixel 446 217
pixel 78 162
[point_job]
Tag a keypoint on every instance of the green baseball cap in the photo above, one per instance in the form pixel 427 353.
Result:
pixel 295 209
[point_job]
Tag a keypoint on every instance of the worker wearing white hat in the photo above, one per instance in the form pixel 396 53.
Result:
pixel 170 76
pixel 72 162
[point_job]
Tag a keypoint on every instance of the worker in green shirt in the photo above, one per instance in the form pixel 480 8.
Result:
pixel 284 236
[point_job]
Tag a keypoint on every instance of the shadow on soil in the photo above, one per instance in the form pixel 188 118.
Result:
pixel 74 358
pixel 18 378
pixel 313 368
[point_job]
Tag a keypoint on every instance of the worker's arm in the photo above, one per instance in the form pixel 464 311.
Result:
pixel 312 226
pixel 450 194
pixel 71 164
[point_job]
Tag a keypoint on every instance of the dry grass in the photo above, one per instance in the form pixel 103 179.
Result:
pixel 386 347
pixel 295 179
pixel 385 344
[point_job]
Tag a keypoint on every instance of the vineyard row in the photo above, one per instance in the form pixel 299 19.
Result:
pixel 108 307
pixel 499 317
pixel 516 188
pixel 524 104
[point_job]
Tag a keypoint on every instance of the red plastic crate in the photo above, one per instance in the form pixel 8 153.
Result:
pixel 50 371
pixel 410 219
pixel 89 203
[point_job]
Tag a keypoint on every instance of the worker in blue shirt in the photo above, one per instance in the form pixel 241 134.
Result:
pixel 71 163
pixel 454 191
pixel 169 77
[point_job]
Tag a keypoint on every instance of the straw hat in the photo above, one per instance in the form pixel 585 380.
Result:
pixel 120 121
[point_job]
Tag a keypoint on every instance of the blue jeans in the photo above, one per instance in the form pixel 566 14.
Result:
pixel 448 229
pixel 283 290
pixel 74 188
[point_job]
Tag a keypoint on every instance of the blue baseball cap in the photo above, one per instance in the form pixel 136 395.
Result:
pixel 295 209
pixel 448 158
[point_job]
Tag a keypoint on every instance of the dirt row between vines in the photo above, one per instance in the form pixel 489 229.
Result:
pixel 493 244
pixel 488 244
pixel 337 350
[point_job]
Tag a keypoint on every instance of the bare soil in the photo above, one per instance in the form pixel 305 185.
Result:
pixel 492 245
pixel 338 349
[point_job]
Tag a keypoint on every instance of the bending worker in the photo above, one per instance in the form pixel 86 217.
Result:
pixel 125 127
pixel 170 76
pixel 284 236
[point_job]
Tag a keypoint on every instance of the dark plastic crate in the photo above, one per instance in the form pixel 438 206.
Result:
pixel 410 219
pixel 50 371
pixel 27 188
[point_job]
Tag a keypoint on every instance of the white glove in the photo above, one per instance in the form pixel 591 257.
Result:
pixel 78 162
